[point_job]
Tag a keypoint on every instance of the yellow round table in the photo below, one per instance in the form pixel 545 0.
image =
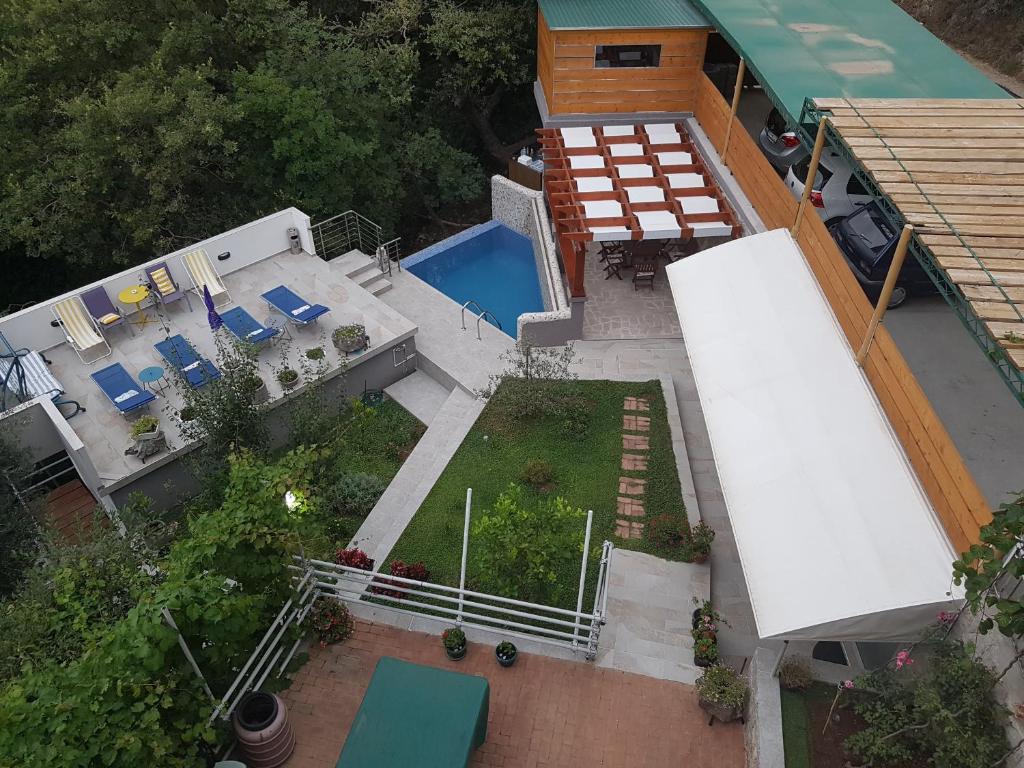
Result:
pixel 136 295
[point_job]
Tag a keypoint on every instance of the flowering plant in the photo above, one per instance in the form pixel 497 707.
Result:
pixel 453 638
pixel 416 571
pixel 331 622
pixel 701 536
pixel 354 558
pixel 706 649
pixel 903 659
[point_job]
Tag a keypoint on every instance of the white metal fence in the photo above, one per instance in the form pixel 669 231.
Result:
pixel 575 630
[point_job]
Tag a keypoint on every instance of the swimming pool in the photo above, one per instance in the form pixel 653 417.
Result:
pixel 490 264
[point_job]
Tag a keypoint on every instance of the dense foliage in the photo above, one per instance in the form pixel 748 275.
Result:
pixel 942 709
pixel 132 128
pixel 519 552
pixel 18 527
pixel 130 696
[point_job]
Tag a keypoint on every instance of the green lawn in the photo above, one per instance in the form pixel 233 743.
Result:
pixel 794 730
pixel 586 473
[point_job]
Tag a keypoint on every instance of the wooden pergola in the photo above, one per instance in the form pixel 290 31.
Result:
pixel 954 169
pixel 628 182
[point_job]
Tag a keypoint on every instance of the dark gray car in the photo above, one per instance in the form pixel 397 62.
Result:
pixel 780 145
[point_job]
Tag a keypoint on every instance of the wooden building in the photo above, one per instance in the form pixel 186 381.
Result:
pixel 644 58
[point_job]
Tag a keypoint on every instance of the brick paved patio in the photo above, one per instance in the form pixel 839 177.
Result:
pixel 544 713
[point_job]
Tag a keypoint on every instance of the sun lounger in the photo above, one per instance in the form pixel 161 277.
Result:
pixel 121 389
pixel 80 330
pixel 180 355
pixel 102 309
pixel 25 376
pixel 285 301
pixel 202 272
pixel 245 328
pixel 166 290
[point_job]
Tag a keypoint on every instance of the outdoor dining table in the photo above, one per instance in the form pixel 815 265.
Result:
pixel 414 715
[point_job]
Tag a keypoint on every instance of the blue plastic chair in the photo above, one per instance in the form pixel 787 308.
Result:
pixel 180 355
pixel 121 389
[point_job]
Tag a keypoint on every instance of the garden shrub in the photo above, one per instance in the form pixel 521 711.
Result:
pixel 519 552
pixel 331 621
pixel 416 571
pixel 668 533
pixel 133 698
pixel 355 493
pixel 19 528
pixel 794 675
pixel 354 558
pixel 537 474
pixel 942 712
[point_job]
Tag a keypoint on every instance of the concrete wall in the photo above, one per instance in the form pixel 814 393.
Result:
pixel 523 210
pixel 247 244
pixel 762 732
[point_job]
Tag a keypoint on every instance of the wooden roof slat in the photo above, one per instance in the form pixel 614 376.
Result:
pixel 994 310
pixel 980 277
pixel 992 293
pixel 993 265
pixel 953 164
pixel 915 141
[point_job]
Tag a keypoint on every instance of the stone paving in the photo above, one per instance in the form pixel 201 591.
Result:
pixel 543 712
pixel 614 310
pixel 625 528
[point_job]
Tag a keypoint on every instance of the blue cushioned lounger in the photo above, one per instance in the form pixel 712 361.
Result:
pixel 244 328
pixel 124 392
pixel 179 355
pixel 285 301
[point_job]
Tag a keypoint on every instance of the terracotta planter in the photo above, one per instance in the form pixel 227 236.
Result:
pixel 265 737
pixel 455 654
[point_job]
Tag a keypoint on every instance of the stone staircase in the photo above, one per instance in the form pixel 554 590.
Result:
pixel 362 270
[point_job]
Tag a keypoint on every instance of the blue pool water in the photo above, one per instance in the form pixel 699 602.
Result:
pixel 489 263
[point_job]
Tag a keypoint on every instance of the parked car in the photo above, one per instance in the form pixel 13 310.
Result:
pixel 836 191
pixel 779 144
pixel 868 241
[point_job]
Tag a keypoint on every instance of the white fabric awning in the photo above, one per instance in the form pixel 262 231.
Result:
pixel 835 534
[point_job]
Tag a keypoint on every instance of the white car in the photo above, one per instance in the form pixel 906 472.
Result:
pixel 836 192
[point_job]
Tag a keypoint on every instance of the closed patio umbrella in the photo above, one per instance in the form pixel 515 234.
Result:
pixel 211 313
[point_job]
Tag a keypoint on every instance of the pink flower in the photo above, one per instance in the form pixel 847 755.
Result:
pixel 847 684
pixel 946 617
pixel 903 658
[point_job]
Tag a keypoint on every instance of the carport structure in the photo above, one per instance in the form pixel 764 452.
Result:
pixel 953 168
pixel 628 182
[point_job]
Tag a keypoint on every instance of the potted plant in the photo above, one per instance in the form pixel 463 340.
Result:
pixel 701 536
pixel 288 378
pixel 454 640
pixel 722 693
pixel 331 621
pixel 255 387
pixel 188 413
pixel 316 353
pixel 145 426
pixel 349 338
pixel 506 653
pixel 705 652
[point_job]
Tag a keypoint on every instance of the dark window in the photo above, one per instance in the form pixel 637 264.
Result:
pixel 854 187
pixel 820 180
pixel 830 651
pixel 627 56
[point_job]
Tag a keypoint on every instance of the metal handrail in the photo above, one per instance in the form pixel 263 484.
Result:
pixel 480 316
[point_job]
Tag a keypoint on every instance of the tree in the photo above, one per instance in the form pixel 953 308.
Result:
pixel 19 530
pixel 526 553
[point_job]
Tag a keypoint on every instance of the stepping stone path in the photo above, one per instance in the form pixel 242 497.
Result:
pixel 631 489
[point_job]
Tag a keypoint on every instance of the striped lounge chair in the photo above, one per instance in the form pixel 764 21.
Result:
pixel 202 273
pixel 25 376
pixel 81 330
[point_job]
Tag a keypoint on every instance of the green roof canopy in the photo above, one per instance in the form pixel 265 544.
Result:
pixel 839 48
pixel 621 14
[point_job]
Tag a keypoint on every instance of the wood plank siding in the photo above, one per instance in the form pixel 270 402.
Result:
pixel 573 84
pixel 956 498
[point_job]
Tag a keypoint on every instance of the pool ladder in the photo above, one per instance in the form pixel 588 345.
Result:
pixel 482 314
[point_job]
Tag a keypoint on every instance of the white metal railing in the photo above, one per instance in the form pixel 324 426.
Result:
pixel 351 230
pixel 268 653
pixel 575 630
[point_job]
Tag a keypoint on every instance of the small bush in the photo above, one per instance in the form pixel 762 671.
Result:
pixel 340 529
pixel 453 638
pixel 331 621
pixel 288 376
pixel 667 532
pixel 354 557
pixel 537 473
pixel 316 353
pixel 722 685
pixel 144 425
pixel 355 493
pixel 794 675
pixel 416 571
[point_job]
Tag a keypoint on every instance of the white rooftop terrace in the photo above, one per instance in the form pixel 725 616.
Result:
pixel 259 261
